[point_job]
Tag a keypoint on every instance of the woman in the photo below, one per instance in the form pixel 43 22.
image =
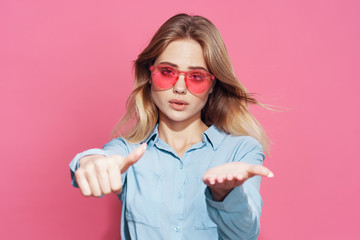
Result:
pixel 188 161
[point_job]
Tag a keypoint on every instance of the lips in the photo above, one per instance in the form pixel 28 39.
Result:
pixel 179 102
pixel 178 105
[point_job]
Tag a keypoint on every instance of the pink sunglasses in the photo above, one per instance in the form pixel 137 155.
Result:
pixel 165 77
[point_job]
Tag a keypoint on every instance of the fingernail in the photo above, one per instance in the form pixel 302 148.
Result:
pixel 270 175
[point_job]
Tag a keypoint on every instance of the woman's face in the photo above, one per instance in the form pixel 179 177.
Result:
pixel 177 104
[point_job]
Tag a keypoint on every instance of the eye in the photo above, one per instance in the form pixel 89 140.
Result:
pixel 197 76
pixel 166 71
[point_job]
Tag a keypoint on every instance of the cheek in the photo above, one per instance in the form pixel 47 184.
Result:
pixel 199 102
pixel 203 98
pixel 157 96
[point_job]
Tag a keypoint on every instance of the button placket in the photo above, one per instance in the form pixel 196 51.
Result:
pixel 179 194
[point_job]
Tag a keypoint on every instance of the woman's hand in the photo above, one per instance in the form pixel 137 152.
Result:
pixel 224 178
pixel 99 175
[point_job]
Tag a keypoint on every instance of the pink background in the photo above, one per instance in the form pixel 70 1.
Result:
pixel 66 71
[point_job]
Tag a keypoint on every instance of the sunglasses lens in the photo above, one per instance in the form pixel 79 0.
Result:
pixel 164 77
pixel 198 81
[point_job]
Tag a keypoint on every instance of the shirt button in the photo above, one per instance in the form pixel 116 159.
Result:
pixel 179 196
pixel 181 166
pixel 177 229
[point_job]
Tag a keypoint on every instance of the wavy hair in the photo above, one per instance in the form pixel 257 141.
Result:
pixel 227 106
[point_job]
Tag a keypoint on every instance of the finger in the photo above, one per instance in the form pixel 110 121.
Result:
pixel 260 170
pixel 132 158
pixel 118 192
pixel 93 183
pixel 229 177
pixel 102 177
pixel 220 179
pixel 82 183
pixel 241 176
pixel 115 179
pixel 209 180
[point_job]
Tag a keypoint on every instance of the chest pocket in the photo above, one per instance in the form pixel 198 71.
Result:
pixel 143 197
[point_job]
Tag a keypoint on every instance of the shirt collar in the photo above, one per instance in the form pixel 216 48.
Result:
pixel 212 135
pixel 153 135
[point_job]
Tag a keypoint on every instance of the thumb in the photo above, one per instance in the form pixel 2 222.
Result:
pixel 132 158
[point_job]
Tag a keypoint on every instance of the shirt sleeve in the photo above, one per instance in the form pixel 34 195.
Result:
pixel 115 147
pixel 238 215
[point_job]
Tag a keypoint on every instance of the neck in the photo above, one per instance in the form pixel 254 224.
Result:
pixel 180 135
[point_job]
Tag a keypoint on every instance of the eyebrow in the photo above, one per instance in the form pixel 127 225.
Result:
pixel 191 67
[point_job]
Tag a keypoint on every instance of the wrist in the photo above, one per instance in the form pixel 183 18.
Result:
pixel 219 194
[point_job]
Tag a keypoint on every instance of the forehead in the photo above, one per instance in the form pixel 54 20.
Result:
pixel 184 53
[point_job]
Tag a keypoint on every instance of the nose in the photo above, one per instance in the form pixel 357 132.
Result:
pixel 180 86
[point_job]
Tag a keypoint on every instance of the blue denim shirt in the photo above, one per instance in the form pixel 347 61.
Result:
pixel 164 196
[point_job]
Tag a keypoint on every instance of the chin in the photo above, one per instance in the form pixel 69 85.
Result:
pixel 181 117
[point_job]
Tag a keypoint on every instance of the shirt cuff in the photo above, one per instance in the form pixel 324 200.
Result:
pixel 233 199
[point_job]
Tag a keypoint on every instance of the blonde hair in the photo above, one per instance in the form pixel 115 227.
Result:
pixel 227 106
